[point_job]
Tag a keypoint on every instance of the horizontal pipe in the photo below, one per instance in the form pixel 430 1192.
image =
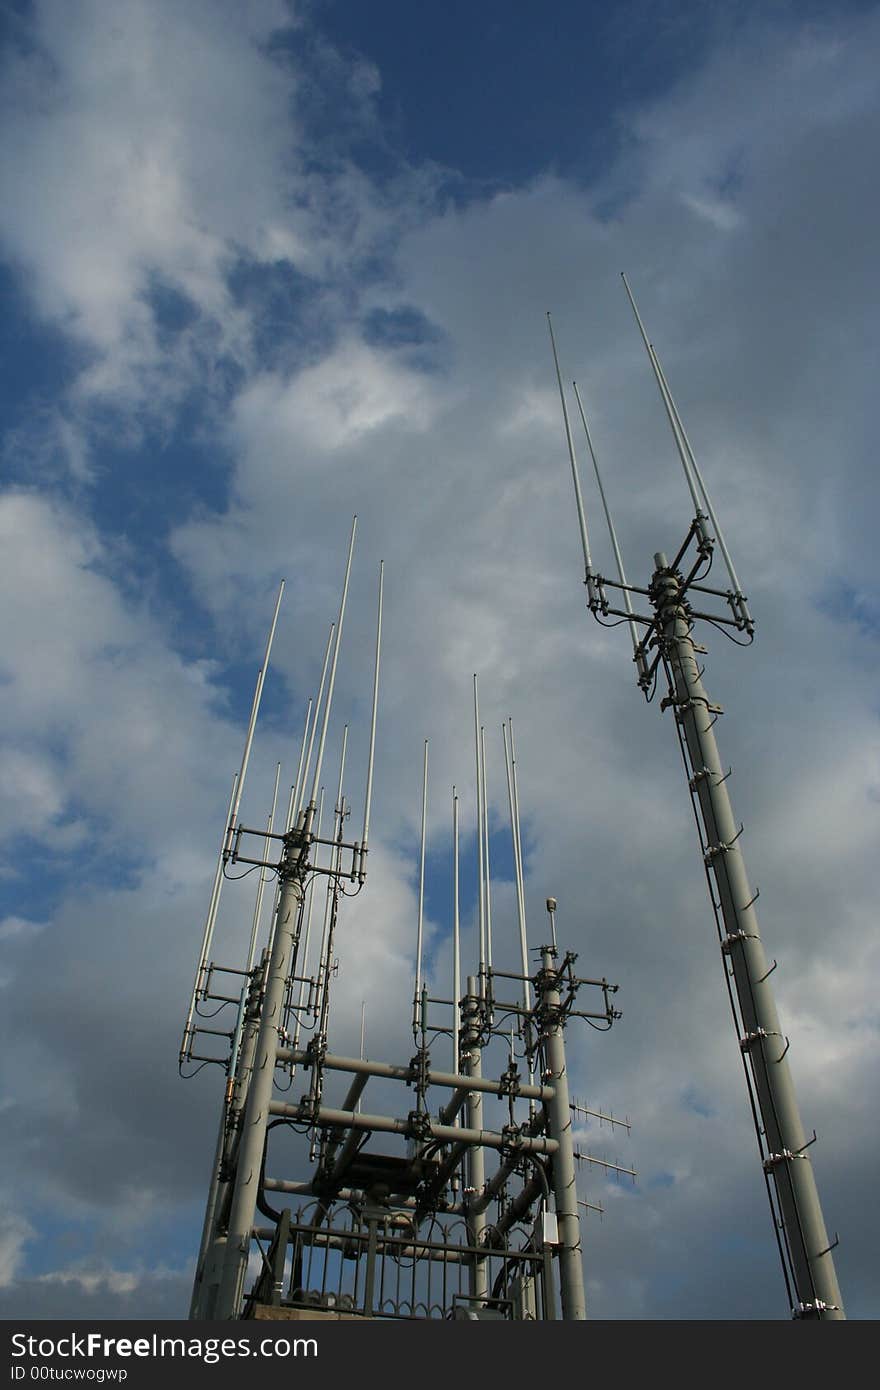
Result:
pixel 451 1080
pixel 387 1124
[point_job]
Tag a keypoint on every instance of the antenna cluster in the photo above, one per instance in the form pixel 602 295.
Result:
pixel 397 1214
pixel 661 618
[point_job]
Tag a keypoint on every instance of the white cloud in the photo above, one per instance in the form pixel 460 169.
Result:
pixel 460 479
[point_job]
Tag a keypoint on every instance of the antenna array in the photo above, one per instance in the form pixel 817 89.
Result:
pixel 661 632
pixel 395 1215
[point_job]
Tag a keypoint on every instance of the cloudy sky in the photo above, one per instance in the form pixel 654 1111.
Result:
pixel 266 266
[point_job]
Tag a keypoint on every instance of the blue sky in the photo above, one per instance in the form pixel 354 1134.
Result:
pixel 264 267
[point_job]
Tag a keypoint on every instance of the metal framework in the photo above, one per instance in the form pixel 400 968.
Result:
pixel 456 1200
pixel 663 640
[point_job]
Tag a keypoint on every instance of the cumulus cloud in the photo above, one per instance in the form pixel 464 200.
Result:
pixel 738 206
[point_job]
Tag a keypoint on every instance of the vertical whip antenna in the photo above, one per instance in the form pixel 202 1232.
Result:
pixel 482 908
pixel 486 849
pixel 302 789
pixel 252 723
pixel 682 453
pixel 456 936
pixel 517 867
pixel 369 792
pixel 418 991
pixel 719 535
pixel 579 499
pixel 261 879
pixel 304 955
pixel 299 768
pixel 213 906
pixel 320 757
pixel 618 558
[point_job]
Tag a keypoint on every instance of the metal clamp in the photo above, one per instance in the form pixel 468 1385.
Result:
pixel 735 936
pixel 773 1160
pixel 804 1310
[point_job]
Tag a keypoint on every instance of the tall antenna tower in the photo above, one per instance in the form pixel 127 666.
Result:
pixel 662 635
pixel 461 1201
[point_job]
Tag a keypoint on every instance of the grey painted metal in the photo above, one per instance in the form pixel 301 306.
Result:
pixel 456 937
pixel 262 879
pixel 474 1134
pixel 364 1066
pixel 472 1059
pixel 582 519
pixel 315 716
pixel 571 1270
pixel 417 1025
pixel 319 759
pixel 485 833
pixel 207 934
pixel 787 1160
pixel 482 888
pixel 295 789
pixel 517 873
pixel 682 454
pixel 615 546
pixel 256 1112
pixel 716 527
pixel 255 711
pixel 369 791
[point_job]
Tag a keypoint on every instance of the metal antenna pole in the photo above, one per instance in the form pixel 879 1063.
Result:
pixel 482 895
pixel 210 920
pixel 618 558
pixel 299 767
pixel 571 1270
pixel 369 792
pixel 261 882
pixel 302 789
pixel 485 832
pixel 252 724
pixel 456 938
pixel 417 997
pixel 787 1159
pixel 716 527
pixel 304 954
pixel 479 1284
pixel 256 1114
pixel 313 799
pixel 582 518
pixel 517 874
pixel 685 462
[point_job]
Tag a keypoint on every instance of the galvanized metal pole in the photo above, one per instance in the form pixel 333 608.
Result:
pixel 787 1160
pixel 472 1059
pixel 256 1114
pixel 571 1270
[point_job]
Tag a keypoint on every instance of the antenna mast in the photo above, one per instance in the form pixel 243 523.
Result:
pixel 678 597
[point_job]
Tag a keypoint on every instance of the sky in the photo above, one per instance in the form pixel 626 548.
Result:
pixel 267 266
